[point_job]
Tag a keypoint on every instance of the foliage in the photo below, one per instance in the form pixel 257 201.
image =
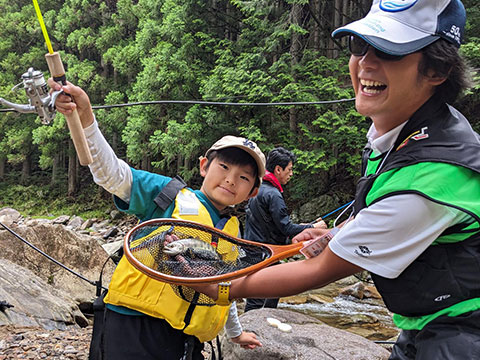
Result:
pixel 229 51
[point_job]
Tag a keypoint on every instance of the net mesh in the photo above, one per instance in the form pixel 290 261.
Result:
pixel 189 250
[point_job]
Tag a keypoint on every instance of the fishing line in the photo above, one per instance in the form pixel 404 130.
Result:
pixel 330 213
pixel 42 25
pixel 95 283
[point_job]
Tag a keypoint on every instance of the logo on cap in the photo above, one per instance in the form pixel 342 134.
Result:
pixel 249 144
pixel 396 5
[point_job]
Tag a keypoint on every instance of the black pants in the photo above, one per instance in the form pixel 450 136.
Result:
pixel 127 337
pixel 253 304
pixel 445 338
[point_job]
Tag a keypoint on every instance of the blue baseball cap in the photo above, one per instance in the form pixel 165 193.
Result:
pixel 401 27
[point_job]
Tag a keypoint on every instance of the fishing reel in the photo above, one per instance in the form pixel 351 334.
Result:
pixel 41 101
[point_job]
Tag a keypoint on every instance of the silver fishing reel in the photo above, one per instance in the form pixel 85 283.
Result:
pixel 41 101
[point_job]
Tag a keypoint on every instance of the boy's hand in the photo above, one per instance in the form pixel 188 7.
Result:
pixel 65 105
pixel 309 234
pixel 247 340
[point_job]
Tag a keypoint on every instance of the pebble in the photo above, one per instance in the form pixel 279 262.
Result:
pixel 20 342
pixel 33 343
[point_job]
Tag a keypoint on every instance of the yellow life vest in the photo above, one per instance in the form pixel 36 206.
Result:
pixel 132 289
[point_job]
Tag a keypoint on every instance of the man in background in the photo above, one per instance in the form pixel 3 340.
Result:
pixel 267 219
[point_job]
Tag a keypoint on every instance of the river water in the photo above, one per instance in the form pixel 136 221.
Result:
pixel 367 317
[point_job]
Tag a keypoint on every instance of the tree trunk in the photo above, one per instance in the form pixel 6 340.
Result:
pixel 55 167
pixel 26 169
pixel 72 169
pixel 295 49
pixel 2 168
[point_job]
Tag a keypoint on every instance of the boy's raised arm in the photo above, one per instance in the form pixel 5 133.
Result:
pixel 109 172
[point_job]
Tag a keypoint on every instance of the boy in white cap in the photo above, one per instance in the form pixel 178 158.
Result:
pixel 145 318
pixel 417 214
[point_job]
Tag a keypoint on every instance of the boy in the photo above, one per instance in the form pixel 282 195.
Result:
pixel 144 318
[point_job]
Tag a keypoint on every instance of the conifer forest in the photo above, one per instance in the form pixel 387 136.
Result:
pixel 177 71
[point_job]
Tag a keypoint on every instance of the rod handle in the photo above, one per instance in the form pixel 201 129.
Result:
pixel 57 71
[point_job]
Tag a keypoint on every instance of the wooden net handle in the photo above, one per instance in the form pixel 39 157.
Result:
pixel 57 71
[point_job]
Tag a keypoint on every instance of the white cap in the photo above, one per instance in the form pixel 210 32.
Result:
pixel 247 145
pixel 401 27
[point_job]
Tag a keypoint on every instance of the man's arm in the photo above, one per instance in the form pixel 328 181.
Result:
pixel 287 279
pixel 279 213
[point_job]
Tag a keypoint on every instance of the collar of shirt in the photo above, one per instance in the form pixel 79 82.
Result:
pixel 272 179
pixel 381 144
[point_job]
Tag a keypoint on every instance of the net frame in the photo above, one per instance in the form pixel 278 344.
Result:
pixel 272 253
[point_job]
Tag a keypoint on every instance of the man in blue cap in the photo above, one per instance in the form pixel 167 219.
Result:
pixel 417 206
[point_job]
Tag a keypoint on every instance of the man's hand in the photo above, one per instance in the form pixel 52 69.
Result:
pixel 247 340
pixel 320 224
pixel 65 105
pixel 309 234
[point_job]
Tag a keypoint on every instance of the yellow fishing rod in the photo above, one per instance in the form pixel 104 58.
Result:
pixel 57 71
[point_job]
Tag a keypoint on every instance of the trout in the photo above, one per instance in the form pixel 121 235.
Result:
pixel 193 248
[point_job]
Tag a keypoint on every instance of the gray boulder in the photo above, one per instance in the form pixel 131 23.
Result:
pixel 83 254
pixel 8 216
pixel 30 301
pixel 308 339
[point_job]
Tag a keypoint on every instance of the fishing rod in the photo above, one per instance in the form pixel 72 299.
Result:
pixel 95 283
pixel 57 72
pixel 330 213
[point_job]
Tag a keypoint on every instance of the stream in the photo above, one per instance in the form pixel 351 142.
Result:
pixel 367 317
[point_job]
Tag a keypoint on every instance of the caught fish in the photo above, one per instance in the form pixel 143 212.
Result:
pixel 193 248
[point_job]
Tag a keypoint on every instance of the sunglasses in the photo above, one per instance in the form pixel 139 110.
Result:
pixel 359 47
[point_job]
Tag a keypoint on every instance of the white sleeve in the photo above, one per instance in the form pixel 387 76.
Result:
pixel 110 172
pixel 389 235
pixel 233 328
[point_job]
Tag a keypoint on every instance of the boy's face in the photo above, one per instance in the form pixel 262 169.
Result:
pixel 389 92
pixel 225 184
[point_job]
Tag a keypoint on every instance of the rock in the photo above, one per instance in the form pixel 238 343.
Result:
pixel 86 224
pixel 9 216
pixel 295 299
pixel 111 232
pixel 113 247
pixel 360 290
pixel 75 222
pixel 79 253
pixel 115 215
pixel 33 302
pixel 62 219
pixel 308 339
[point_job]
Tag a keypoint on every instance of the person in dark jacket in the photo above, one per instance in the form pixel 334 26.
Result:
pixel 267 219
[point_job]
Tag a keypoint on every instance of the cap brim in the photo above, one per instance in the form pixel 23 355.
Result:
pixel 399 39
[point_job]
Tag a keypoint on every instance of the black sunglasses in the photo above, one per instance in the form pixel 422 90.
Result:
pixel 359 47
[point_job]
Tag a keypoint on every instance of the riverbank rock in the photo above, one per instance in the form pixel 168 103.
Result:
pixel 29 301
pixel 80 253
pixel 307 339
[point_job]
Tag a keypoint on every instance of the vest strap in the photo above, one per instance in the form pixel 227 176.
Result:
pixel 169 192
